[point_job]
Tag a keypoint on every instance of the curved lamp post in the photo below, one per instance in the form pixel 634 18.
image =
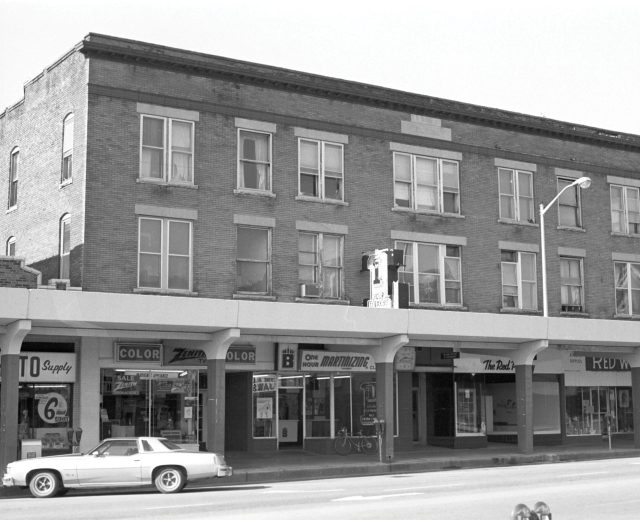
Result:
pixel 583 182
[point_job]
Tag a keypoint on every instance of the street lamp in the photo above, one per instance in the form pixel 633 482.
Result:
pixel 583 182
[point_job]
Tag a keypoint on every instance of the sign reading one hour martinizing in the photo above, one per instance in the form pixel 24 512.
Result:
pixel 322 361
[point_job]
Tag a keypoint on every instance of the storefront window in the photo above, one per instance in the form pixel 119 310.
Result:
pixel 264 398
pixel 590 409
pixel 161 403
pixel 546 406
pixel 318 406
pixel 470 413
pixel 45 413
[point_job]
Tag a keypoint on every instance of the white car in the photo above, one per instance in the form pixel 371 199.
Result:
pixel 127 461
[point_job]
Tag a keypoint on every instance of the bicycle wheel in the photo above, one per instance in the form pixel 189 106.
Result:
pixel 370 445
pixel 342 445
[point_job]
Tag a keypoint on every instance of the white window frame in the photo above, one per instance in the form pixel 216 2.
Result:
pixel 268 163
pixel 520 281
pixel 165 254
pixel 252 260
pixel 414 285
pixel 516 196
pixel 627 288
pixel 624 213
pixel 322 173
pixel 64 251
pixel 14 168
pixel 11 247
pixel 66 173
pixel 414 186
pixel 571 284
pixel 319 265
pixel 562 183
pixel 167 150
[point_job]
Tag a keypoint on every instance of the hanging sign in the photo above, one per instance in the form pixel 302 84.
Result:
pixel 323 361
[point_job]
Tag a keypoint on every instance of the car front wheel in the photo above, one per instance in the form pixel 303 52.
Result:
pixel 44 484
pixel 170 480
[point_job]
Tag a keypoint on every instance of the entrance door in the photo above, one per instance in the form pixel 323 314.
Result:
pixel 289 417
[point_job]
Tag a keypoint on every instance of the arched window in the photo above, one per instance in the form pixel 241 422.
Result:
pixel 67 148
pixel 11 246
pixel 13 178
pixel 65 245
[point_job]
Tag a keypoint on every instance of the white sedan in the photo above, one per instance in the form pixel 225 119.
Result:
pixel 137 461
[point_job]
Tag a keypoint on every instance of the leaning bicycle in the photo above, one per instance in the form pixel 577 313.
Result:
pixel 345 443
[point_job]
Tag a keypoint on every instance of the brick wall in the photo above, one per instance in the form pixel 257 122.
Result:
pixel 13 273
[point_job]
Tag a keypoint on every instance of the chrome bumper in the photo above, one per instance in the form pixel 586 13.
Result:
pixel 7 481
pixel 225 471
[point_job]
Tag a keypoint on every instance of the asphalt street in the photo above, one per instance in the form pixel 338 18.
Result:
pixel 574 491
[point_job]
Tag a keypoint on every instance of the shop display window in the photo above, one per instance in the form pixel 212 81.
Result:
pixel 162 403
pixel 546 406
pixel 469 400
pixel 318 406
pixel 45 413
pixel 264 398
pixel 589 410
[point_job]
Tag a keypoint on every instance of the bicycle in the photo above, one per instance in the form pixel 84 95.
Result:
pixel 345 443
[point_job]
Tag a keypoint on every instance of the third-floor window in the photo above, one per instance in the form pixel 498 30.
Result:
pixel 14 160
pixel 321 170
pixel 625 210
pixel 426 183
pixel 166 150
pixel 516 195
pixel 627 288
pixel 569 209
pixel 254 161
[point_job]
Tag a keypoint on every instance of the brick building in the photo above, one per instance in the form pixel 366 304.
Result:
pixel 208 219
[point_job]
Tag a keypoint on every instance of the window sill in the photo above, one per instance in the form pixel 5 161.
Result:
pixel 427 213
pixel 624 235
pixel 329 301
pixel 438 307
pixel 569 314
pixel 571 228
pixel 254 193
pixel 518 223
pixel 626 316
pixel 170 292
pixel 321 201
pixel 165 184
pixel 252 296
pixel 11 209
pixel 66 183
pixel 531 312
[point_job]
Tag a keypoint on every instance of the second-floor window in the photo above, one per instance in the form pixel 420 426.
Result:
pixel 65 247
pixel 569 211
pixel 320 267
pixel 625 210
pixel 516 195
pixel 571 285
pixel 164 254
pixel 254 160
pixel 627 288
pixel 14 160
pixel 519 286
pixel 166 150
pixel 321 170
pixel 426 183
pixel 253 260
pixel 67 149
pixel 433 272
pixel 11 247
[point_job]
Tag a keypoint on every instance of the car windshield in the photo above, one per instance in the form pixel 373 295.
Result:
pixel 170 445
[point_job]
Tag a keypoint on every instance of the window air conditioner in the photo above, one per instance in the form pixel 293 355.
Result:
pixel 309 290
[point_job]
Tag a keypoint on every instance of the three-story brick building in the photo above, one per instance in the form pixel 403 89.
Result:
pixel 208 219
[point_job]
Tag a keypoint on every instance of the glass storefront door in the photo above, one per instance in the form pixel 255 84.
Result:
pixel 160 403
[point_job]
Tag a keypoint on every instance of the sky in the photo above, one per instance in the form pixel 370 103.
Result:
pixel 574 61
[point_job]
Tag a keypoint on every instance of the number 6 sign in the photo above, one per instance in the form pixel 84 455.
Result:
pixel 52 408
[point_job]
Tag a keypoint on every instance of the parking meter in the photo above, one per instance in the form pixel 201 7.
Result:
pixel 521 512
pixel 542 510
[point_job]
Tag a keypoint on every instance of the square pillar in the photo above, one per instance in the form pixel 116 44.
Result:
pixel 524 408
pixel 215 404
pixel 635 397
pixel 9 409
pixel 384 405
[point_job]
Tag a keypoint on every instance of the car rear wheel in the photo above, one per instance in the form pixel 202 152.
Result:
pixel 170 480
pixel 44 484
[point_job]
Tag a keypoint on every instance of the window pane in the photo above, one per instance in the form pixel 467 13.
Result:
pixel 528 266
pixel 253 244
pixel 622 301
pixel 402 167
pixel 309 185
pixel 506 182
pixel 181 167
pixel 507 207
pixel 450 174
pixel 402 192
pixel 525 187
pixel 149 270
pixel 529 297
pixel 178 272
pixel 179 238
pixel 152 163
pixel 309 156
pixel 526 209
pixel 153 132
pixel 333 159
pixel 428 258
pixel 331 251
pixel 181 136
pixel 426 198
pixel 67 135
pixel 333 188
pixel 429 288
pixel 252 277
pixel 254 146
pixel 426 171
pixel 330 282
pixel 150 235
pixel 66 236
pixel 509 274
pixel 635 276
pixel 616 198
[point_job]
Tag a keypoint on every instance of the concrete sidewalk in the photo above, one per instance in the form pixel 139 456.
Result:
pixel 297 464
